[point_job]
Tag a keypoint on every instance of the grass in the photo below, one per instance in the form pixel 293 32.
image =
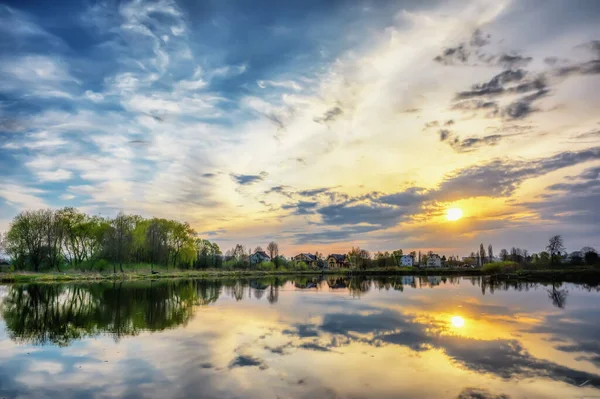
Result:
pixel 143 271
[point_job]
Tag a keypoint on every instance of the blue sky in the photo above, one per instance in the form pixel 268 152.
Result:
pixel 320 125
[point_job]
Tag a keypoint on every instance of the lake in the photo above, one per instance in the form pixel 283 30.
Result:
pixel 304 337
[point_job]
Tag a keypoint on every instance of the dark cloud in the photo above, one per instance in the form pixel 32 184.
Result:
pixel 575 202
pixel 314 346
pixel 208 175
pixel 410 197
pixel 523 107
pixel 473 143
pixel 329 115
pixel 513 60
pixel 479 38
pixel 444 134
pixel 501 177
pixel 249 179
pixel 479 393
pixel 302 331
pixel 495 86
pixel 454 55
pixel 341 214
pixel 247 361
pixel 313 192
pixel 301 207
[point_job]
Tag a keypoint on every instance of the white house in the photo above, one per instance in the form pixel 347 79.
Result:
pixel 406 260
pixel 434 261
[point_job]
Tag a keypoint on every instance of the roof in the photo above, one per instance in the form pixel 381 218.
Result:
pixel 338 257
pixel 262 253
pixel 309 256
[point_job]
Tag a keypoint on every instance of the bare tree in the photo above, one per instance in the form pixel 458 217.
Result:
pixel 258 249
pixel 555 247
pixel 490 253
pixel 273 250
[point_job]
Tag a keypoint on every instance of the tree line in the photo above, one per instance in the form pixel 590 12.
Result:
pixel 49 239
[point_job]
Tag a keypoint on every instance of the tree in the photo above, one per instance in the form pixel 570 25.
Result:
pixel 576 258
pixel 273 250
pixel 358 258
pixel 504 255
pixel 590 256
pixel 555 247
pixel 25 239
pixel 118 240
pixel 258 249
pixel 482 253
pixel 490 253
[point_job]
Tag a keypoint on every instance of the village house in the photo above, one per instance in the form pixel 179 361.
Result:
pixel 259 257
pixel 407 260
pixel 309 259
pixel 434 261
pixel 335 261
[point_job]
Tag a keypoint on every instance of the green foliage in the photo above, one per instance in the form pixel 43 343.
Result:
pixel 500 267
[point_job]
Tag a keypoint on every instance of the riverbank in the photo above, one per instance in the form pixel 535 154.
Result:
pixel 570 274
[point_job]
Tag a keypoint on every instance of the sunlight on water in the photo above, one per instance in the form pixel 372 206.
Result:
pixel 389 337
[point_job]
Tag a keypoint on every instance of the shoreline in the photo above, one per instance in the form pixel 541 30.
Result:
pixel 577 274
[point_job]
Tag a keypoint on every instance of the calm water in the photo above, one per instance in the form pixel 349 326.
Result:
pixel 400 337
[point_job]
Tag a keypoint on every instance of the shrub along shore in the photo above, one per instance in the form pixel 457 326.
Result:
pixel 570 274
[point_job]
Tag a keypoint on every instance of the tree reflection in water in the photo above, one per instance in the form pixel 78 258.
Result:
pixel 59 314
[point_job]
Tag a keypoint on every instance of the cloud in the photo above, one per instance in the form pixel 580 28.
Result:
pixel 249 179
pixel 56 175
pixel 22 196
pixel 330 115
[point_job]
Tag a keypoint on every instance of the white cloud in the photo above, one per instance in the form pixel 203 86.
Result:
pixel 55 175
pixel 22 197
pixel 95 97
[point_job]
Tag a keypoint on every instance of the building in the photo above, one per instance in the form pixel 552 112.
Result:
pixel 335 261
pixel 259 257
pixel 434 261
pixel 406 260
pixel 309 259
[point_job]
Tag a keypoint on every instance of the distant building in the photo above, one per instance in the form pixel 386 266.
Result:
pixel 259 257
pixel 335 261
pixel 407 260
pixel 434 261
pixel 309 259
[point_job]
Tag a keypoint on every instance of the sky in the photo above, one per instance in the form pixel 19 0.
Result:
pixel 317 124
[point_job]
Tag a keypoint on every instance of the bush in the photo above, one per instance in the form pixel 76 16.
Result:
pixel 267 266
pixel 301 266
pixel 500 267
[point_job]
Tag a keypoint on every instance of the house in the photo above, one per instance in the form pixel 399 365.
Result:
pixel 335 261
pixel 406 260
pixel 4 265
pixel 309 259
pixel 434 261
pixel 259 257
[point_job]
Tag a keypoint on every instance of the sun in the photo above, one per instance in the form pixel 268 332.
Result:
pixel 453 214
pixel 457 321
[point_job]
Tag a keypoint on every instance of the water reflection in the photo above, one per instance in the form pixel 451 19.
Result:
pixel 59 314
pixel 389 336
